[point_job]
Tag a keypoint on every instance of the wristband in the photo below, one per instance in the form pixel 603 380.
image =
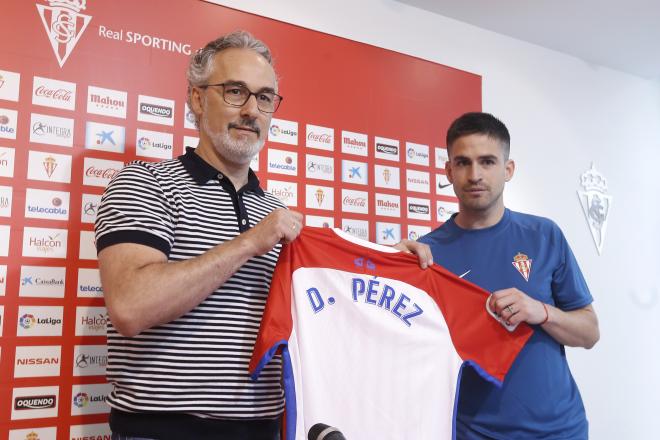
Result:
pixel 547 315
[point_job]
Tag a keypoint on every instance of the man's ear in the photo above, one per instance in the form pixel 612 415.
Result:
pixel 449 172
pixel 509 168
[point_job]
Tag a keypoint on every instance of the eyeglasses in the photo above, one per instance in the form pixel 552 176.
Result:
pixel 237 95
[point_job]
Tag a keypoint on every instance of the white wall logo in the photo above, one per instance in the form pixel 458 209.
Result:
pixel 54 93
pixel 87 249
pixel 189 118
pixel 97 431
pixel 105 137
pixel 354 143
pixel 91 321
pixel 6 162
pixel 155 110
pixel 64 25
pixel 443 187
pixel 192 141
pixel 89 284
pixel 106 102
pixel 388 205
pixel 387 149
pixel 285 132
pixel 418 181
pixel 416 231
pixel 441 157
pixel 90 360
pixel 388 233
pixel 354 172
pixel 42 282
pixel 445 210
pixel 354 201
pixel 319 221
pixel 39 321
pixel 90 207
pixel 4 240
pixel 49 167
pixel 419 209
pixel 417 154
pixel 286 192
pixel 282 162
pixel 49 433
pixel 154 144
pixel 357 228
pixel 50 205
pixel 99 172
pixel 90 399
pixel 51 130
pixel 42 242
pixel 596 204
pixel 322 138
pixel 3 281
pixel 9 85
pixel 319 197
pixel 38 361
pixel 8 120
pixel 319 167
pixel 386 177
pixel 34 402
pixel 5 201
pixel 2 315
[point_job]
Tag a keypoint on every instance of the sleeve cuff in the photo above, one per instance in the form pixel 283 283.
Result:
pixel 133 236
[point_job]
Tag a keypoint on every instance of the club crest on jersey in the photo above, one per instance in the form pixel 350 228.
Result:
pixel 523 264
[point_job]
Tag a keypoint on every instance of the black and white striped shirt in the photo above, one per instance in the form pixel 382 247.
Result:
pixel 198 363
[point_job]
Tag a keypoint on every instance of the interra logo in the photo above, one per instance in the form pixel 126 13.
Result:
pixel 64 25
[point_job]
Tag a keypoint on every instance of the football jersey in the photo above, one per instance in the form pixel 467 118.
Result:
pixel 373 344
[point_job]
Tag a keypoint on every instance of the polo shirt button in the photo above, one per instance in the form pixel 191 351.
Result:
pixel 243 222
pixel 220 176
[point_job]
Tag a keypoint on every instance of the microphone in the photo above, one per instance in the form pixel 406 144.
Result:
pixel 321 431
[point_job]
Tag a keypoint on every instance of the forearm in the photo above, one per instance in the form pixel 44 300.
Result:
pixel 576 328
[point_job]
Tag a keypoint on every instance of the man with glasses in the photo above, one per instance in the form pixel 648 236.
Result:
pixel 186 251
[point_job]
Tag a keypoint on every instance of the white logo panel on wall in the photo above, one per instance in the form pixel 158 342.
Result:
pixel 99 172
pixel 354 143
pixel 49 167
pixel 87 250
pixel 42 282
pixel 89 283
pixel 51 130
pixel 286 192
pixel 91 321
pixel 90 360
pixel 419 209
pixel 388 205
pixel 64 26
pixel 8 122
pixel 319 167
pixel 417 154
pixel 319 221
pixel 4 240
pixel 50 205
pixel 596 204
pixel 282 162
pixel 442 186
pixel 322 138
pixel 254 163
pixel 154 144
pixel 445 210
pixel 386 177
pixel 105 137
pixel 44 242
pixel 320 197
pixel 96 431
pixel 418 181
pixel 191 141
pixel 90 207
pixel 357 228
pixel 283 131
pixel 3 279
pixel 441 157
pixel 2 320
pixel 5 201
pixel 387 149
pixel 6 161
pixel 90 399
pixel 354 201
pixel 54 93
pixel 38 361
pixel 388 233
pixel 9 85
pixel 49 433
pixel 34 402
pixel 354 172
pixel 155 110
pixel 39 321
pixel 189 118
pixel 106 102
pixel 416 231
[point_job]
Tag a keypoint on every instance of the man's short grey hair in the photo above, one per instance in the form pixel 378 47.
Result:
pixel 201 62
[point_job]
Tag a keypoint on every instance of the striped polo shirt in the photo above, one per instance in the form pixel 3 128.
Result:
pixel 198 363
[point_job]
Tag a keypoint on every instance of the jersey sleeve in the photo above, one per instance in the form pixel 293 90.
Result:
pixel 134 209
pixel 569 288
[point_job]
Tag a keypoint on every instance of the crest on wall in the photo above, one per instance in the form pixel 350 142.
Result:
pixel 64 25
pixel 596 204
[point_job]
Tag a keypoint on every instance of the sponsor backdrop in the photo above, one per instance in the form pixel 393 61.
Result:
pixel 86 87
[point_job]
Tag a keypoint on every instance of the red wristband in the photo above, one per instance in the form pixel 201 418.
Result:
pixel 547 315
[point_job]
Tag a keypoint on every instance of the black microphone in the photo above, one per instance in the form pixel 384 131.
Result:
pixel 321 431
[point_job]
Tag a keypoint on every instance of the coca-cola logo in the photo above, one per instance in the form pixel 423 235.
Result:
pixel 324 137
pixel 354 201
pixel 101 173
pixel 58 94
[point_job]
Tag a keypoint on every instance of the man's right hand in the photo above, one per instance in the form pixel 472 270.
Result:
pixel 280 226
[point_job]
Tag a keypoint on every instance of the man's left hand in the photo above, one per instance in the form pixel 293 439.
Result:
pixel 514 306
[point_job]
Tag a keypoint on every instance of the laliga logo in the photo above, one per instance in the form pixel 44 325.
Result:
pixel 144 143
pixel 81 400
pixel 26 321
pixel 274 130
pixel 64 25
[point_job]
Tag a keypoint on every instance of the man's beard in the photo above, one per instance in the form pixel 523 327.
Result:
pixel 238 151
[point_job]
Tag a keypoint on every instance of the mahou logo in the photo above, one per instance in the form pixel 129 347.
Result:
pixel 64 25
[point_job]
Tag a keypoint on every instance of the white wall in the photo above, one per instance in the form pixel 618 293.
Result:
pixel 563 114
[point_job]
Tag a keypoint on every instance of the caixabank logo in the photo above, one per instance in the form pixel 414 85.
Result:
pixel 64 25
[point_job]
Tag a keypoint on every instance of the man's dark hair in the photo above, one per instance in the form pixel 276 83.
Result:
pixel 479 123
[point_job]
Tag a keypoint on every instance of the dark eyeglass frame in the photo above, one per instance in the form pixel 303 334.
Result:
pixel 277 99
